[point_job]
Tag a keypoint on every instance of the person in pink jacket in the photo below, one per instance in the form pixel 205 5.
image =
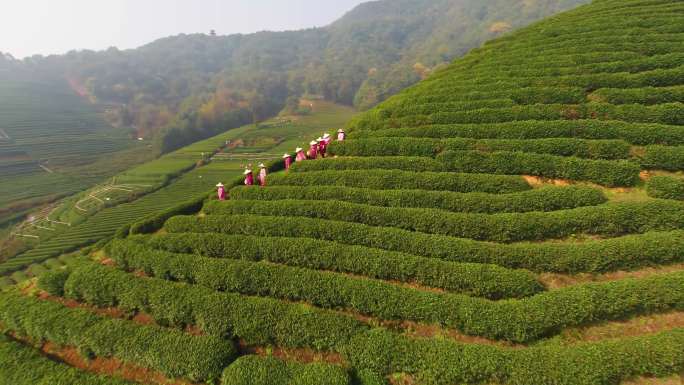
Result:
pixel 262 175
pixel 221 192
pixel 301 156
pixel 322 146
pixel 341 135
pixel 249 178
pixel 313 150
pixel 288 161
pixel 327 139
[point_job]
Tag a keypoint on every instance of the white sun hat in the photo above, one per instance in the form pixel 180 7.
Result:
pixel 299 149
pixel 340 130
pixel 313 142
pixel 319 139
pixel 286 156
pixel 326 135
pixel 247 171
pixel 220 185
pixel 261 165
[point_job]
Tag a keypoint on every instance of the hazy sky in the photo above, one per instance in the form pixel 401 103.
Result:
pixel 30 27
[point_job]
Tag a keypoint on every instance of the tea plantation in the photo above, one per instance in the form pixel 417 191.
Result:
pixel 51 141
pixel 517 218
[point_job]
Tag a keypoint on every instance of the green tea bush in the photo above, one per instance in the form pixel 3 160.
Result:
pixel 528 95
pixel 444 362
pixel 669 114
pixel 429 108
pixel 623 64
pixel 24 365
pixel 595 149
pixel 53 282
pixel 154 222
pixel 646 95
pixel 172 352
pixel 634 133
pixel 666 187
pixel 630 252
pixel 608 220
pixel 526 319
pixel 664 158
pixel 483 280
pixel 412 163
pixel 255 370
pixel 541 199
pixel 396 179
pixel 216 314
pixel 604 172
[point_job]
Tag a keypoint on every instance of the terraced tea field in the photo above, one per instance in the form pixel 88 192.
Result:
pixel 51 142
pixel 187 176
pixel 517 218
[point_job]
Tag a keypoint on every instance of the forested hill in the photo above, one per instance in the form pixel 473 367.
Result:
pixel 190 86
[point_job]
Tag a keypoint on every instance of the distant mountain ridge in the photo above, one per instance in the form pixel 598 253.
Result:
pixel 191 86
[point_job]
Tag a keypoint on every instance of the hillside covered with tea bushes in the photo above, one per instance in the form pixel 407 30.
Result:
pixel 517 218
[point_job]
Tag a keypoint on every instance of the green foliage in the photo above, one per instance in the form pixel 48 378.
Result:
pixel 23 365
pixel 405 163
pixel 646 95
pixel 156 221
pixel 188 87
pixel 541 199
pixel 174 353
pixel 444 362
pixel 595 149
pixel 396 179
pixel 608 173
pixel 665 158
pixel 634 133
pixel 53 282
pixel 526 319
pixel 608 220
pixel 257 321
pixel 666 187
pixel 255 370
pixel 474 279
pixel 629 252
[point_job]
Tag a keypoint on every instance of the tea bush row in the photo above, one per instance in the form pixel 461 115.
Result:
pixel 443 362
pixel 174 353
pixel 526 319
pixel 608 220
pixel 669 158
pixel 333 173
pixel 256 370
pixel 488 281
pixel 133 256
pixel 634 133
pixel 541 199
pixel 217 314
pixel 24 365
pixel 646 95
pixel 600 256
pixel 666 187
pixel 593 149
